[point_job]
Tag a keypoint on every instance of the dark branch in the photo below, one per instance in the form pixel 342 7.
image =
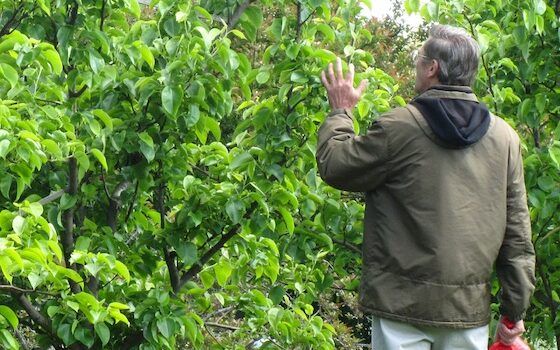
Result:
pixel 68 234
pixel 73 94
pixel 237 14
pixel 196 268
pixel 484 64
pixel 15 289
pixel 129 211
pixel 350 246
pixel 13 19
pixel 35 315
pixel 173 270
pixel 103 3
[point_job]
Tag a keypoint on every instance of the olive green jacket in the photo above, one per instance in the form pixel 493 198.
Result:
pixel 436 219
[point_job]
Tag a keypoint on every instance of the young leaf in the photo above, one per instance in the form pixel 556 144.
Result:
pixel 171 98
pixel 9 315
pixel 102 332
pixel 100 157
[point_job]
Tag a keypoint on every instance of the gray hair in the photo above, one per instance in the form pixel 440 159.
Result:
pixel 456 52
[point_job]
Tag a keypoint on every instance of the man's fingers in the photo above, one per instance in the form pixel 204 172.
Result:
pixel 350 75
pixel 339 69
pixel 362 87
pixel 324 79
pixel 332 79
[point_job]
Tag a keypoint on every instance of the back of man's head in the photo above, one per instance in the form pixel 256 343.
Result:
pixel 457 54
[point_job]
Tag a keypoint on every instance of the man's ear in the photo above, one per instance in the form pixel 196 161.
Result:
pixel 433 69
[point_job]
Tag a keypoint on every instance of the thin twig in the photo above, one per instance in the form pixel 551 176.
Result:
pixel 224 326
pixel 15 289
pixel 347 245
pixel 484 64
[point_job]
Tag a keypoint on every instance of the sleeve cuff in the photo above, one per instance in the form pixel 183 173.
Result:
pixel 345 111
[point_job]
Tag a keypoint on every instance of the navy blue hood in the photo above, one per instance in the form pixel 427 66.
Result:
pixel 457 123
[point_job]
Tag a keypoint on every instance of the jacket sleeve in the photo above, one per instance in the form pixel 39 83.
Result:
pixel 349 162
pixel 515 265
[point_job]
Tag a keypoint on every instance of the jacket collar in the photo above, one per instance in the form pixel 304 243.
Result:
pixel 450 91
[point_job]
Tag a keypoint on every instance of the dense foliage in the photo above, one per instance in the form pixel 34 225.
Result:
pixel 159 187
pixel 159 174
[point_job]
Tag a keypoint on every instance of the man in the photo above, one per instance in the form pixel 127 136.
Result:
pixel 445 201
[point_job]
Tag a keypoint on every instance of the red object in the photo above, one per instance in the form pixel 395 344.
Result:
pixel 518 344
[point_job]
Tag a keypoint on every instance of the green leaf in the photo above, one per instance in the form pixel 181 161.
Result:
pixel 171 98
pixel 84 336
pixel 100 157
pixel 214 127
pixel 187 252
pixel 64 332
pixel 222 270
pixel 240 160
pixel 327 31
pixel 412 6
pixel 238 34
pixel 9 315
pixel 540 102
pixel 102 332
pixel 147 146
pixel 35 209
pixel 96 62
pixel 122 270
pixel 134 8
pixel 5 185
pixel 235 209
pixel 166 326
pixel 119 306
pixel 8 340
pixel 55 248
pixel 104 117
pixel 52 148
pixel 288 219
pixel 263 76
pixel 10 40
pixel 276 294
pixel 45 6
pixel 67 201
pixel 147 55
pixel 18 224
pixel 540 7
pixel 82 243
pixel 54 60
pixel 9 73
pixel 554 152
pixel 4 148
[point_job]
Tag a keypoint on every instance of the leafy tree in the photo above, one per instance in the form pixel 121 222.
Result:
pixel 519 81
pixel 158 171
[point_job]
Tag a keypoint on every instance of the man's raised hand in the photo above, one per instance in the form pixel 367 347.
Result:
pixel 340 90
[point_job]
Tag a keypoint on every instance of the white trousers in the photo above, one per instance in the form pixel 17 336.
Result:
pixel 393 335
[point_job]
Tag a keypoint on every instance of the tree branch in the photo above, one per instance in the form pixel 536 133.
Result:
pixel 224 326
pixel 67 238
pixel 237 14
pixel 35 315
pixel 484 64
pixel 196 268
pixel 103 2
pixel 173 270
pixel 350 246
pixel 13 19
pixel 131 206
pixel 14 289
